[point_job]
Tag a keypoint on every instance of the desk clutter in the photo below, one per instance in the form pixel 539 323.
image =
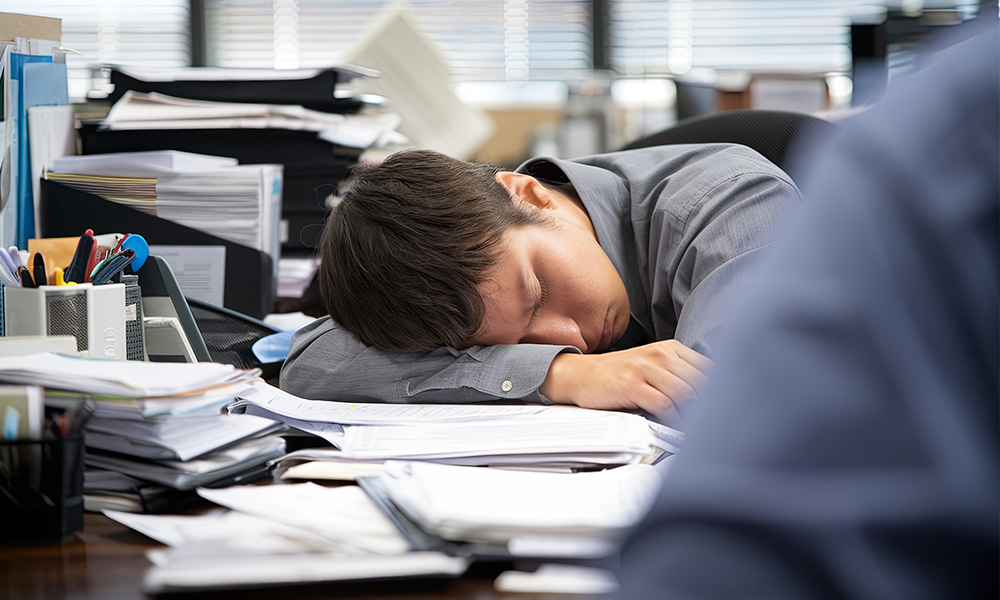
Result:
pixel 413 498
pixel 93 296
pixel 311 122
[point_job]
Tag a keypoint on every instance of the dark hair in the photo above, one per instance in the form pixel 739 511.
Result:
pixel 406 246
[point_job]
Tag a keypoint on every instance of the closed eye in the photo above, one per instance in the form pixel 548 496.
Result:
pixel 543 295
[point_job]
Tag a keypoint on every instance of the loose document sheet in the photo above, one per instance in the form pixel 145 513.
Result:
pixel 268 401
pixel 497 505
pixel 532 436
pixel 281 535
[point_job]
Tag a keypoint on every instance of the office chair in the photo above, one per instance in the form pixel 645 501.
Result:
pixel 230 336
pixel 772 133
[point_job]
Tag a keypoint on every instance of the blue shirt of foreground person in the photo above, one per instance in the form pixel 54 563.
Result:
pixel 847 446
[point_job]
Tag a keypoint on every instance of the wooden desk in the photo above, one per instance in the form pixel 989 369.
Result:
pixel 107 561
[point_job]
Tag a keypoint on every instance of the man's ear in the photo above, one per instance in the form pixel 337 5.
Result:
pixel 527 188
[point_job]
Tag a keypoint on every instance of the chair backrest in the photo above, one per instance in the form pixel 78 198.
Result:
pixel 770 132
pixel 230 336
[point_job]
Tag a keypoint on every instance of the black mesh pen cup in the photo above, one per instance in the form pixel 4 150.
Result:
pixel 41 489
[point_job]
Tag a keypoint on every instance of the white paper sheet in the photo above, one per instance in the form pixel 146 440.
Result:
pixel 123 378
pixel 200 270
pixel 279 402
pixel 493 505
pixel 343 514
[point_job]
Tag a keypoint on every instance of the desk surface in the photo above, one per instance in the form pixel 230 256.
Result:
pixel 107 561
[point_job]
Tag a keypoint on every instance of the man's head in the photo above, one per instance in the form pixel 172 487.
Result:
pixel 425 251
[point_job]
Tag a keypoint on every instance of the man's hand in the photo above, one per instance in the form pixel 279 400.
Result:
pixel 658 378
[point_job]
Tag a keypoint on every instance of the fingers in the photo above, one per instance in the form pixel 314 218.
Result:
pixel 674 373
pixel 654 400
pixel 695 358
pixel 659 378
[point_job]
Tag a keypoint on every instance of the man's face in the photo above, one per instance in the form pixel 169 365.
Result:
pixel 553 284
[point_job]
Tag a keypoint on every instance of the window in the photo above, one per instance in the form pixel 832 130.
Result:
pixel 505 41
pixel 670 37
pixel 481 40
pixel 155 34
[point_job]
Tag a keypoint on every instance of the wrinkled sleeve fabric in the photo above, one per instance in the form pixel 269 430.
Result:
pixel 847 444
pixel 326 362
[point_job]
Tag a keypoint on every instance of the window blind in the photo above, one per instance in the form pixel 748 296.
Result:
pixel 480 40
pixel 670 37
pixel 153 33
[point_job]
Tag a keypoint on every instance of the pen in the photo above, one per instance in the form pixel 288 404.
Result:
pixel 113 266
pixel 41 277
pixel 59 277
pixel 76 271
pixel 118 245
pixel 98 266
pixel 26 280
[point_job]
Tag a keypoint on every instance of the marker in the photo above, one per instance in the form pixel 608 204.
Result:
pixel 77 269
pixel 38 270
pixel 26 280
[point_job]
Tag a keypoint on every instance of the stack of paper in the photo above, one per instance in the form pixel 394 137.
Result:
pixel 239 203
pixel 280 535
pixel 177 438
pixel 136 192
pixel 158 422
pixel 124 379
pixel 514 508
pixel 524 436
pixel 137 110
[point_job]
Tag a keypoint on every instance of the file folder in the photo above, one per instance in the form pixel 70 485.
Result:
pixel 250 284
pixel 316 91
pixel 288 147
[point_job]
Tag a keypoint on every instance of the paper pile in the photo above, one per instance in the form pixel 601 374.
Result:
pixel 282 535
pixel 158 424
pixel 522 436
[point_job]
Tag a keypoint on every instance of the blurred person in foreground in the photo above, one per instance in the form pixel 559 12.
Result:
pixel 847 445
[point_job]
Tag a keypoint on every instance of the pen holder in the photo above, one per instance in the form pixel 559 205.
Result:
pixel 135 345
pixel 93 314
pixel 41 489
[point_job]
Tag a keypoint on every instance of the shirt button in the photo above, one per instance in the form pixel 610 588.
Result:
pixel 507 386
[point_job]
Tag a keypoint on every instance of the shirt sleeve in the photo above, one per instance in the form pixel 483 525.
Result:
pixel 705 248
pixel 326 362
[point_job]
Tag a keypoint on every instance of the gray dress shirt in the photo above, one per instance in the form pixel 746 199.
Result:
pixel 680 224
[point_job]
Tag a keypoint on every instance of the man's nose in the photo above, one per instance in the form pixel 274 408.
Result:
pixel 555 329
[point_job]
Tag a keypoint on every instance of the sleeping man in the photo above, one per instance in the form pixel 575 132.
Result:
pixel 600 281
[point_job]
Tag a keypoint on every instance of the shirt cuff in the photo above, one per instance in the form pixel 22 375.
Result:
pixel 523 371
